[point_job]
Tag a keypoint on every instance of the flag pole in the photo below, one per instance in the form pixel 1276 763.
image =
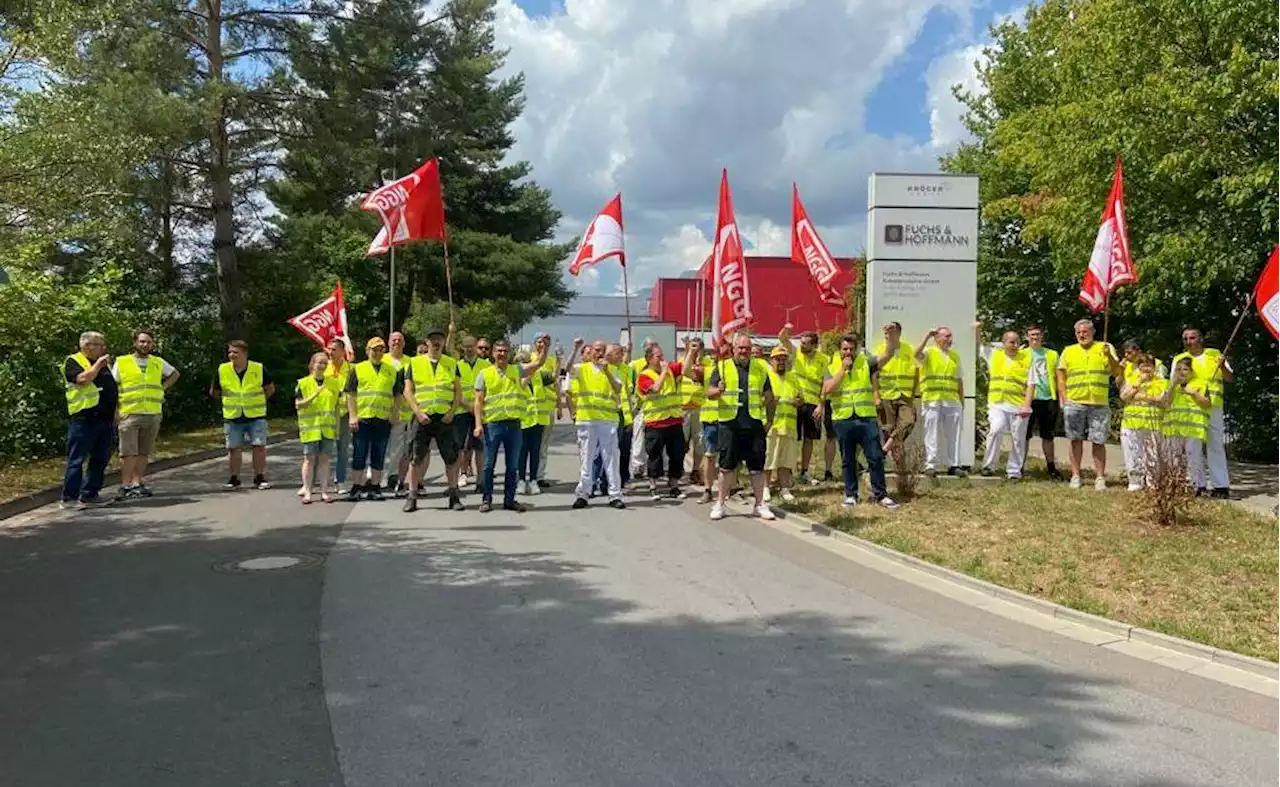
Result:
pixel 1222 358
pixel 391 319
pixel 448 280
pixel 1106 316
pixel 626 304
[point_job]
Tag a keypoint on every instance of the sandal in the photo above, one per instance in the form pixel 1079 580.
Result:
pixel 326 498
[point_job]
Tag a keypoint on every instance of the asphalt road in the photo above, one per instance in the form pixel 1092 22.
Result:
pixel 559 647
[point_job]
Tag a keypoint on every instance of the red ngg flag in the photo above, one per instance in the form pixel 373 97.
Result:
pixel 325 321
pixel 731 302
pixel 1266 294
pixel 412 209
pixel 808 249
pixel 603 238
pixel 1110 265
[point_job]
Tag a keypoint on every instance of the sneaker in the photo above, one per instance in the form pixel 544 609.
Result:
pixel 1014 478
pixel 580 502
pixel 1135 487
pixel 987 472
pixel 888 503
pixel 1054 473
pixel 259 482
pixel 234 483
pixel 393 483
pixel 958 472
pixel 765 512
pixel 90 501
pixel 1075 482
pixel 849 502
pixel 787 497
pixel 814 481
pixel 526 488
pixel 142 491
pixel 617 503
pixel 717 511
pixel 302 490
pixel 654 494
pixel 462 479
pixel 705 497
pixel 69 505
pixel 519 508
pixel 767 495
pixel 828 478
pixel 353 494
pixel 802 478
pixel 534 489
pixel 402 490
pixel 127 493
pixel 675 493
pixel 455 502
pixel 410 505
pixel 486 508
pixel 374 492
pixel 1220 494
pixel 1100 483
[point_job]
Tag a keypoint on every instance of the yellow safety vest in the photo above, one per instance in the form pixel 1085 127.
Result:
pixel 1132 375
pixel 594 398
pixel 626 401
pixel 1145 415
pixel 941 376
pixel 433 389
pixel 318 419
pixel 1203 365
pixel 337 378
pixel 809 373
pixel 375 390
pixel 785 391
pixel 540 406
pixel 898 375
pixel 1008 383
pixel 81 397
pixel 660 403
pixel 854 395
pixel 1186 417
pixel 242 397
pixel 711 412
pixel 141 393
pixel 1088 373
pixel 731 398
pixel 504 397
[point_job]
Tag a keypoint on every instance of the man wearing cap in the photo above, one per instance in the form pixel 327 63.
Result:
pixel 433 392
pixel 372 392
pixel 782 446
pixel 397 455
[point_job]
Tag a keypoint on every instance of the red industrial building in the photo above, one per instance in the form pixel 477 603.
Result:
pixel 780 290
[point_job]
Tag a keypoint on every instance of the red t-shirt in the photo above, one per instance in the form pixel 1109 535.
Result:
pixel 645 384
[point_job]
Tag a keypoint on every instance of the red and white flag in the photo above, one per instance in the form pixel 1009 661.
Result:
pixel 731 298
pixel 808 249
pixel 1110 265
pixel 411 208
pixel 325 321
pixel 603 238
pixel 1266 294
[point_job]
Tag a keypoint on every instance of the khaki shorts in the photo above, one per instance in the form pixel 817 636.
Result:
pixel 138 434
pixel 781 452
pixel 693 431
pixel 897 418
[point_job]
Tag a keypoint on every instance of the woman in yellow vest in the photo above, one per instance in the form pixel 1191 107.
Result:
pixel 1186 422
pixel 336 373
pixel 534 422
pixel 144 379
pixel 661 409
pixel 782 446
pixel 1145 398
pixel 316 401
pixel 847 383
pixel 244 387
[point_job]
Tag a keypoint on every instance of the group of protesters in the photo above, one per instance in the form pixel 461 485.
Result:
pixel 638 421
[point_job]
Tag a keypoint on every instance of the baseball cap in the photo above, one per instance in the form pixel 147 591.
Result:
pixel 375 342
pixel 434 332
pixel 779 352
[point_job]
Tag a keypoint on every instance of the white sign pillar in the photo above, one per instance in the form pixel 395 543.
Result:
pixel 922 268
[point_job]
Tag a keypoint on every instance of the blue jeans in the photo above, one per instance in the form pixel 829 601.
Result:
pixel 369 446
pixel 530 452
pixel 343 453
pixel 852 434
pixel 89 440
pixel 507 436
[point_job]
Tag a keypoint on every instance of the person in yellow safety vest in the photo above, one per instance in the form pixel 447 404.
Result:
pixel 317 402
pixel 336 373
pixel 638 456
pixel 693 395
pixel 91 404
pixel 847 384
pixel 550 400
pixel 1186 422
pixel 374 389
pixel 782 445
pixel 244 388
pixel 810 365
pixel 941 402
pixel 499 405
pixel 1144 404
pixel 745 416
pixel 474 358
pixel 1009 395
pixel 658 388
pixel 1209 365
pixel 895 388
pixel 540 389
pixel 615 357
pixel 1131 350
pixel 1085 370
pixel 143 379
pixel 1043 364
pixel 433 394
pixel 596 393
pixel 397 444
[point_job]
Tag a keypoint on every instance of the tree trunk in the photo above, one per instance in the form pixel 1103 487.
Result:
pixel 224 228
pixel 165 251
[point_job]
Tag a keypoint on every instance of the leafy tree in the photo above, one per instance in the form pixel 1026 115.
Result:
pixel 1186 94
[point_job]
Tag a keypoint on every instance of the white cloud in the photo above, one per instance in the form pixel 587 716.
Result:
pixel 945 112
pixel 654 97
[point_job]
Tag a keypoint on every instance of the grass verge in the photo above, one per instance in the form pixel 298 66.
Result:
pixel 19 479
pixel 1212 580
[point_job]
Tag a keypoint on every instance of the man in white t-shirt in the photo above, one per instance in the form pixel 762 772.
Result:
pixel 142 391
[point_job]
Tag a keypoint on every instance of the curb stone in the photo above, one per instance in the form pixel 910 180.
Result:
pixel 30 502
pixel 1122 631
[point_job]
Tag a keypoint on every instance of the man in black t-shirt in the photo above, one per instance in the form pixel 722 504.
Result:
pixel 91 431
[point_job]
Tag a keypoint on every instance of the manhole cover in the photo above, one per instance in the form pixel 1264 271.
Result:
pixel 257 563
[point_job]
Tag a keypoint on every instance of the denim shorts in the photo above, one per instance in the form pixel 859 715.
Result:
pixel 253 433
pixel 327 446
pixel 1090 422
pixel 711 438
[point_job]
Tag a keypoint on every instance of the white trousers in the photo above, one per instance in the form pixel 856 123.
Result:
pixel 1138 445
pixel 598 438
pixel 1218 476
pixel 638 456
pixel 1001 421
pixel 542 455
pixel 1194 447
pixel 941 432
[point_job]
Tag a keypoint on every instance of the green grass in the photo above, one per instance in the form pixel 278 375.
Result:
pixel 19 479
pixel 1212 580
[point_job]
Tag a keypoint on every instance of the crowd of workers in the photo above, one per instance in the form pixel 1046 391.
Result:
pixel 637 420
